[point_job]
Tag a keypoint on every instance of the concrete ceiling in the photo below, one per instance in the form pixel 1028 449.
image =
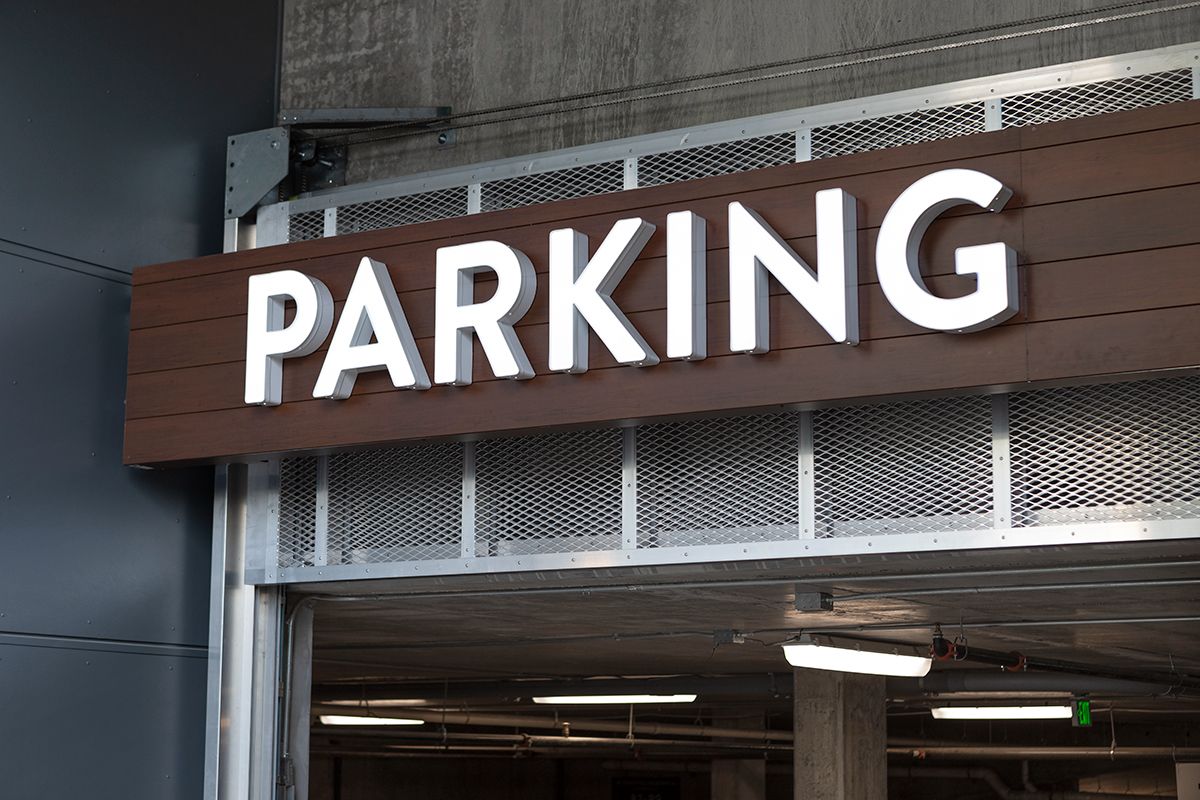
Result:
pixel 535 626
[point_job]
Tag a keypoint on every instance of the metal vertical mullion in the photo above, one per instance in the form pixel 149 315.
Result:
pixel 993 110
pixel 629 489
pixel 321 523
pixel 1001 464
pixel 264 721
pixel 468 501
pixel 630 176
pixel 228 743
pixel 807 493
pixel 1196 83
pixel 474 198
pixel 330 226
pixel 804 144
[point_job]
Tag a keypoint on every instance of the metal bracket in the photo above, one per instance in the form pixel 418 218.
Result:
pixel 350 117
pixel 726 636
pixel 315 165
pixel 255 163
pixel 814 601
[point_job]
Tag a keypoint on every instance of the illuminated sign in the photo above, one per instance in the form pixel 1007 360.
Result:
pixel 372 332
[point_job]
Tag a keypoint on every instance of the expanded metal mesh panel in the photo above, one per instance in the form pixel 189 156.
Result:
pixel 548 494
pixel 718 481
pixel 395 211
pixel 1122 451
pixel 717 159
pixel 562 184
pixel 877 133
pixel 1089 99
pixel 297 511
pixel 914 467
pixel 402 504
pixel 306 225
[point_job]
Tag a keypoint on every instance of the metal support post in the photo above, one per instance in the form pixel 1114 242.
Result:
pixel 468 501
pixel 230 644
pixel 993 110
pixel 808 512
pixel 630 180
pixel 321 523
pixel 299 698
pixel 629 489
pixel 804 144
pixel 1001 464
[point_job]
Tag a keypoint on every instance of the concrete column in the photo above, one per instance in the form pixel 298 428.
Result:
pixel 841 736
pixel 739 778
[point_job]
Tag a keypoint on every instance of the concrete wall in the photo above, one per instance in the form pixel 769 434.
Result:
pixel 114 126
pixel 477 54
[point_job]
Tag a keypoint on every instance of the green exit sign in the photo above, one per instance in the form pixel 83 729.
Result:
pixel 1082 713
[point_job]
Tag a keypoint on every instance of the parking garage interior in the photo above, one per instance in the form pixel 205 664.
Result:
pixel 464 666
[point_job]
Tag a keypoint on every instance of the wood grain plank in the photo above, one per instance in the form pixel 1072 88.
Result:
pixel 828 373
pixel 1103 219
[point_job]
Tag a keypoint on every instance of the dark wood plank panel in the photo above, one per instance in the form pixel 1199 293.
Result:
pixel 1109 344
pixel 1155 159
pixel 923 363
pixel 789 209
pixel 1098 226
pixel 1139 281
pixel 1103 126
pixel 1077 287
pixel 1079 130
pixel 1133 342
pixel 643 289
pixel 917 155
pixel 1103 220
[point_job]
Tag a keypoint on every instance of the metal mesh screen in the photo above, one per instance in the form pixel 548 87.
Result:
pixel 562 184
pixel 1115 452
pixel 406 210
pixel 548 494
pixel 1093 454
pixel 297 511
pixel 877 133
pixel 718 481
pixel 1104 97
pixel 903 467
pixel 306 225
pixel 403 504
pixel 717 159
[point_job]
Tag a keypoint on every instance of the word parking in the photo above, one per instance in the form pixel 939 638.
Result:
pixel 373 332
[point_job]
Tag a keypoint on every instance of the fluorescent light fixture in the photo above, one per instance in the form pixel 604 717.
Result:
pixel 615 699
pixel 807 653
pixel 335 719
pixel 1002 712
pixel 388 703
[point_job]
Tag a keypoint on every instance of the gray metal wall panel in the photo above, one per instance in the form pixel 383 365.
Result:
pixel 91 548
pixel 115 118
pixel 115 122
pixel 84 723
